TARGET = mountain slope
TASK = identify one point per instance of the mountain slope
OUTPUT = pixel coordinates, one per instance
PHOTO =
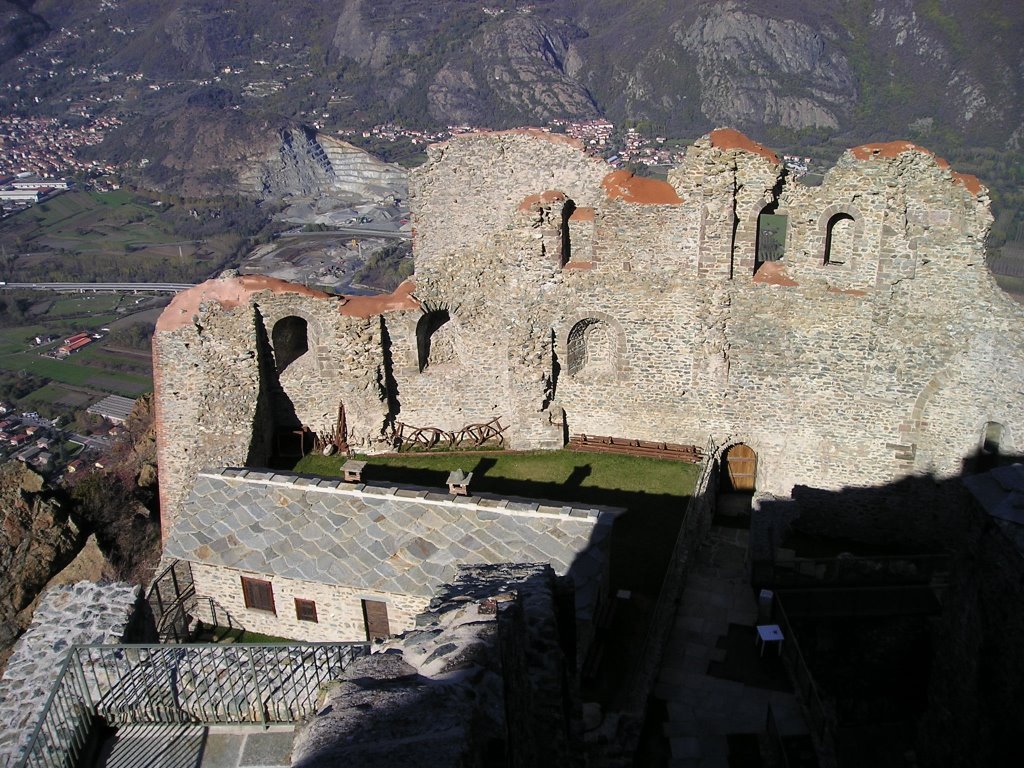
(948, 73)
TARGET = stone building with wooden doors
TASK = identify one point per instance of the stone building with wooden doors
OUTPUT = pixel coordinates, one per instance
(846, 334)
(323, 560)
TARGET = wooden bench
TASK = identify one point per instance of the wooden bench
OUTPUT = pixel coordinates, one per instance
(690, 454)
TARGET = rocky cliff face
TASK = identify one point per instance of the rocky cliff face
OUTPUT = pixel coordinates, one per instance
(894, 66)
(38, 537)
(305, 163)
(462, 64)
(793, 75)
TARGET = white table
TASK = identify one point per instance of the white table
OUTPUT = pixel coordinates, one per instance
(769, 633)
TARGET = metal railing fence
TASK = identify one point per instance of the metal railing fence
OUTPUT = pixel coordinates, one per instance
(821, 717)
(776, 743)
(203, 684)
(171, 597)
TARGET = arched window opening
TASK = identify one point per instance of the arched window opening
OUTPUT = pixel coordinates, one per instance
(576, 348)
(434, 343)
(290, 339)
(771, 236)
(839, 239)
(567, 211)
(991, 438)
(591, 346)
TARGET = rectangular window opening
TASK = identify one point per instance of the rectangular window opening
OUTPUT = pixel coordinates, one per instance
(258, 594)
(305, 610)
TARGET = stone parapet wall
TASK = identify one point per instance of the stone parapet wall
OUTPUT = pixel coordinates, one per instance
(222, 400)
(486, 678)
(83, 613)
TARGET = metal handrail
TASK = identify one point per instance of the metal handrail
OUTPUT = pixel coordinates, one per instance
(171, 612)
(821, 717)
(29, 751)
(205, 683)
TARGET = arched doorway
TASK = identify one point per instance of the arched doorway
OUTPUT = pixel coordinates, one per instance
(739, 465)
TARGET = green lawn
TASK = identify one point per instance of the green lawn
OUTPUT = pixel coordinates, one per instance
(77, 305)
(563, 475)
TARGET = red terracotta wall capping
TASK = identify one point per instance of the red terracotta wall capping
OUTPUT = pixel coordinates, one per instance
(543, 198)
(896, 148)
(971, 183)
(368, 306)
(582, 214)
(232, 292)
(623, 185)
(229, 292)
(773, 273)
(729, 138)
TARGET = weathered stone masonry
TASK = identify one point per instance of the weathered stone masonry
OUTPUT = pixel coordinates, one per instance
(877, 347)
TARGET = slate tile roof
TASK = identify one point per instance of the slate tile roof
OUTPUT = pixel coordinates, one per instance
(402, 541)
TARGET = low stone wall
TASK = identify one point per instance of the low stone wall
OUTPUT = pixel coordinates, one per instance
(83, 613)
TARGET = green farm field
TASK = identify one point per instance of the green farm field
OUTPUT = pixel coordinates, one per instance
(35, 381)
(83, 236)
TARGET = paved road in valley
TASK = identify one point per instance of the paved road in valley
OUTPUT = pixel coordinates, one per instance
(102, 287)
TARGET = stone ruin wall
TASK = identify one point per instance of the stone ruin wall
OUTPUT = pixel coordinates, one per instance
(836, 374)
(219, 395)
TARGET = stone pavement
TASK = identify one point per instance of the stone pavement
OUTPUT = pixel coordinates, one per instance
(194, 746)
(703, 710)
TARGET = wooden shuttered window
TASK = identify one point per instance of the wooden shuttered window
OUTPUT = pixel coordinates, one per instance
(305, 610)
(258, 594)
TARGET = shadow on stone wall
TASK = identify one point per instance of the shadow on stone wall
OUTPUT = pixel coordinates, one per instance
(969, 704)
(277, 428)
(487, 678)
(390, 382)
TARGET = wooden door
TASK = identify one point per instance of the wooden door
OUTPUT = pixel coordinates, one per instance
(375, 616)
(741, 467)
